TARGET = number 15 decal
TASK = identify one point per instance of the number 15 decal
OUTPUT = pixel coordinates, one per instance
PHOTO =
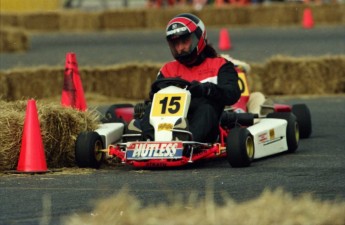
(173, 106)
(168, 104)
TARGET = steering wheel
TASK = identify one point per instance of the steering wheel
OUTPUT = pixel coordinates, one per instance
(166, 82)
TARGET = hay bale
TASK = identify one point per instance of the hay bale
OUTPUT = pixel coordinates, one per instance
(287, 75)
(319, 75)
(133, 18)
(342, 9)
(79, 21)
(13, 40)
(225, 16)
(254, 78)
(251, 15)
(41, 82)
(123, 81)
(3, 87)
(11, 122)
(59, 129)
(274, 15)
(327, 14)
(9, 20)
(44, 21)
(159, 18)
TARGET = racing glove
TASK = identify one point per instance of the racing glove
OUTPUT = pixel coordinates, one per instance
(198, 89)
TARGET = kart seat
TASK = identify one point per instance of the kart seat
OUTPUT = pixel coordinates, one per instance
(181, 130)
(132, 132)
(134, 125)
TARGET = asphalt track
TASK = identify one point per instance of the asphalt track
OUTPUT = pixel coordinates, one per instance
(317, 167)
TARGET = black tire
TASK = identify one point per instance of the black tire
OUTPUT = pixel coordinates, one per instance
(303, 115)
(87, 150)
(240, 147)
(292, 129)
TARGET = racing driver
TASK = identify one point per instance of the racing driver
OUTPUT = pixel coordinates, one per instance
(214, 80)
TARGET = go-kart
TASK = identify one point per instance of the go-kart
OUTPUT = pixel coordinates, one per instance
(241, 140)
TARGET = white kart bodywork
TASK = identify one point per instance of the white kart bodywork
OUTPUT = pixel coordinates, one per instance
(110, 132)
(269, 137)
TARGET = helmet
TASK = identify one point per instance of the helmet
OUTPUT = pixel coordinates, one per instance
(184, 26)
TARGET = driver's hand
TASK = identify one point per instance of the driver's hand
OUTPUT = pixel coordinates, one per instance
(198, 89)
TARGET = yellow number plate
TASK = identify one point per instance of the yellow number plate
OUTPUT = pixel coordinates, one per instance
(169, 104)
(242, 82)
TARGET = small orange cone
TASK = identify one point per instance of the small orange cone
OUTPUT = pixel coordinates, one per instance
(32, 157)
(224, 40)
(308, 21)
(72, 92)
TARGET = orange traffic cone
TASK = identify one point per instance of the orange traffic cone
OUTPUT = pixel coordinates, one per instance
(32, 157)
(72, 92)
(308, 21)
(224, 40)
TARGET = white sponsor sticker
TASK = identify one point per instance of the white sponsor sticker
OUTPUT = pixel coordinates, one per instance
(154, 150)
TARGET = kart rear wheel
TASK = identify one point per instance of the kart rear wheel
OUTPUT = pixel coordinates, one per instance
(302, 113)
(292, 129)
(240, 147)
(88, 150)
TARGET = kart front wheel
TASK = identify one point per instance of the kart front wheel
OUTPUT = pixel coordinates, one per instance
(240, 147)
(88, 150)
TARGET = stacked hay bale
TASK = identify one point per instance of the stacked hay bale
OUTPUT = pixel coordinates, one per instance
(133, 81)
(123, 19)
(77, 21)
(13, 40)
(251, 15)
(59, 129)
(305, 75)
(289, 76)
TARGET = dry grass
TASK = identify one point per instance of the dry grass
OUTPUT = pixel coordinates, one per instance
(271, 208)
